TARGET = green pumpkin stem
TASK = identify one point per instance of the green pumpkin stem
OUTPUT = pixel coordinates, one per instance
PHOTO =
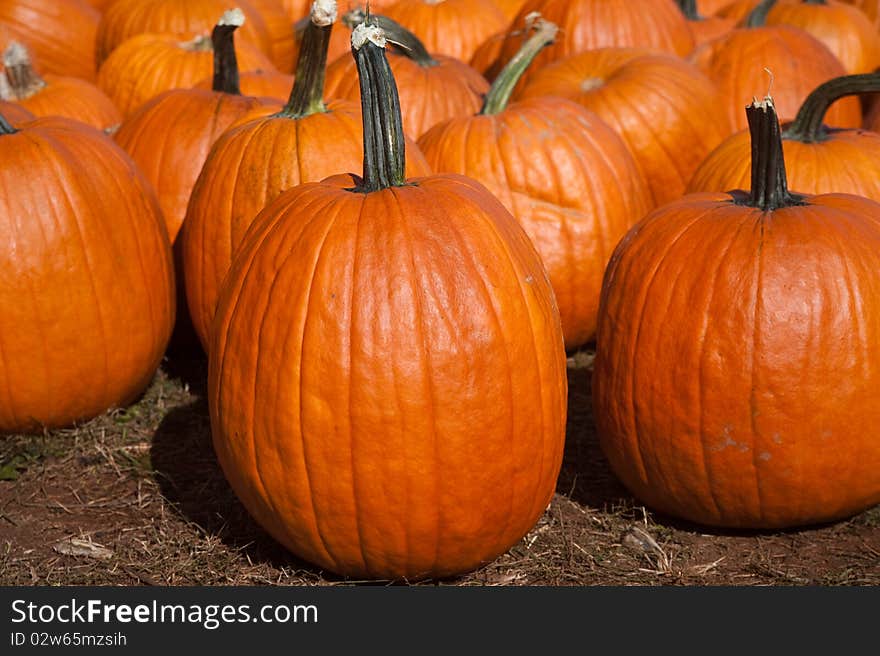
(307, 95)
(404, 41)
(689, 9)
(807, 126)
(502, 88)
(769, 184)
(18, 80)
(5, 126)
(758, 16)
(225, 62)
(384, 148)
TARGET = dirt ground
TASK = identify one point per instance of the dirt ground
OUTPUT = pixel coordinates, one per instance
(136, 497)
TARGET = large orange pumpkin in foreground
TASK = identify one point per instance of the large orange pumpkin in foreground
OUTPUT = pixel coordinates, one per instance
(86, 278)
(738, 352)
(387, 376)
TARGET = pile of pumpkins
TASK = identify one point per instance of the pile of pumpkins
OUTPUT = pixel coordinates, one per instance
(389, 225)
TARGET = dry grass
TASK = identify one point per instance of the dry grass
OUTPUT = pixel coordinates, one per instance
(136, 497)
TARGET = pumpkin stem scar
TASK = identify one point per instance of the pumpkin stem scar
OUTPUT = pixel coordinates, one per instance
(19, 80)
(807, 126)
(225, 62)
(499, 93)
(384, 149)
(307, 96)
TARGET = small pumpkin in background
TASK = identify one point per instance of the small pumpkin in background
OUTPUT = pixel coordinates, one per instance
(819, 160)
(53, 95)
(61, 35)
(566, 176)
(423, 291)
(648, 98)
(85, 267)
(844, 29)
(188, 20)
(169, 136)
(590, 24)
(454, 28)
(785, 58)
(738, 388)
(243, 171)
(146, 65)
(432, 88)
(282, 48)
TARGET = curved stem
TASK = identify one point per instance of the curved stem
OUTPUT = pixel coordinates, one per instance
(499, 93)
(807, 125)
(758, 16)
(307, 95)
(769, 184)
(225, 61)
(5, 126)
(384, 149)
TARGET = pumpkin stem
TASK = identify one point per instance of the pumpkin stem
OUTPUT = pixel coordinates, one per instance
(307, 95)
(758, 16)
(19, 79)
(5, 126)
(499, 93)
(689, 9)
(769, 184)
(807, 126)
(225, 61)
(384, 151)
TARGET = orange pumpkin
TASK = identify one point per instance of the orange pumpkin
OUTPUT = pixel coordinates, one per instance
(589, 24)
(819, 160)
(565, 175)
(86, 268)
(264, 153)
(454, 28)
(738, 352)
(396, 320)
(282, 50)
(797, 62)
(649, 99)
(187, 19)
(54, 95)
(432, 88)
(845, 30)
(169, 136)
(61, 35)
(148, 64)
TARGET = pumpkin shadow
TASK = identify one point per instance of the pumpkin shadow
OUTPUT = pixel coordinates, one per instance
(187, 362)
(191, 480)
(586, 477)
